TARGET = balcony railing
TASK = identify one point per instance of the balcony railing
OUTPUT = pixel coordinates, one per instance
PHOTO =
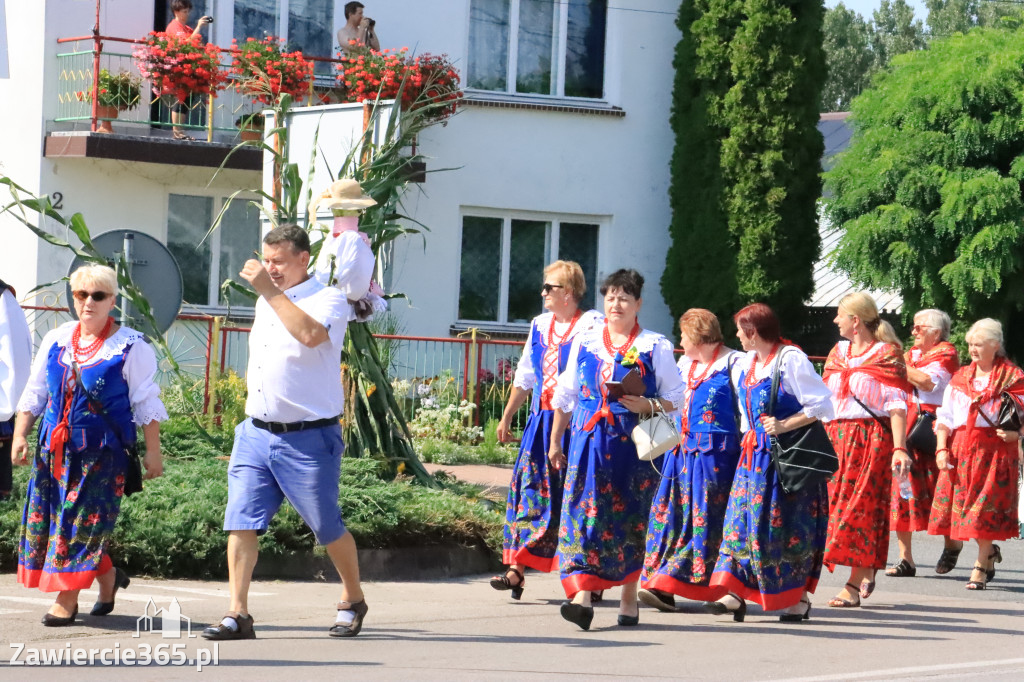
(211, 118)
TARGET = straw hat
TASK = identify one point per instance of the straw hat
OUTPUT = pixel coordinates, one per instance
(345, 195)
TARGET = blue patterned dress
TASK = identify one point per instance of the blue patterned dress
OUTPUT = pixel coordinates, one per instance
(535, 493)
(685, 527)
(608, 490)
(774, 542)
(74, 497)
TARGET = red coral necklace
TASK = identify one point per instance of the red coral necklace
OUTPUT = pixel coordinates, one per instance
(692, 383)
(83, 354)
(563, 337)
(750, 379)
(612, 350)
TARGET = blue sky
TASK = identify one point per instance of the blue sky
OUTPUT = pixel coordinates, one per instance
(866, 8)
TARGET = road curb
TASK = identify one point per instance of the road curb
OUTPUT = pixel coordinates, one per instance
(404, 564)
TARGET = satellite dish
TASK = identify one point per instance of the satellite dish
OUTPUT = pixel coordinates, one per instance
(153, 269)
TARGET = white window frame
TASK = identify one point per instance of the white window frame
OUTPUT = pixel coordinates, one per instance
(558, 61)
(555, 221)
(219, 199)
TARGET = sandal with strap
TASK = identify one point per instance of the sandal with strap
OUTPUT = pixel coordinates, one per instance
(867, 587)
(902, 570)
(947, 560)
(502, 582)
(977, 584)
(352, 629)
(996, 557)
(838, 602)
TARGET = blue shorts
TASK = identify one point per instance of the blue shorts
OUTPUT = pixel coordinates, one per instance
(302, 466)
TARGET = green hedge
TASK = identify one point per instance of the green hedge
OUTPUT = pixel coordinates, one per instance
(173, 528)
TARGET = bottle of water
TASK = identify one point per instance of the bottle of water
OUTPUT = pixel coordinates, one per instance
(903, 480)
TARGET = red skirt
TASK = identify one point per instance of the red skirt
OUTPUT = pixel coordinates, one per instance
(978, 499)
(912, 515)
(858, 494)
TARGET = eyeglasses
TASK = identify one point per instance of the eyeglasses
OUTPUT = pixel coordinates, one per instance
(97, 296)
(922, 327)
(546, 289)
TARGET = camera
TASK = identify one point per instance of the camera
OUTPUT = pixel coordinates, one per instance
(209, 19)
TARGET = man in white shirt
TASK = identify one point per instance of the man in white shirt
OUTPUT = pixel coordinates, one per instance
(15, 364)
(291, 445)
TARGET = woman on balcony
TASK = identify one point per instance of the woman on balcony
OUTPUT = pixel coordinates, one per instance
(616, 371)
(78, 477)
(179, 28)
(685, 527)
(535, 493)
(773, 541)
(976, 496)
(868, 378)
(930, 365)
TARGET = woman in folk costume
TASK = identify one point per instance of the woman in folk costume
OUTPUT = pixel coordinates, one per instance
(868, 379)
(976, 496)
(78, 470)
(685, 527)
(773, 541)
(616, 372)
(931, 363)
(535, 493)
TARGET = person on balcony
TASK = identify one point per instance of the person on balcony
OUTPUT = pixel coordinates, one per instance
(15, 360)
(179, 28)
(535, 493)
(358, 31)
(290, 446)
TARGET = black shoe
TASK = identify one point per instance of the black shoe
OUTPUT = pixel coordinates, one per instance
(102, 608)
(52, 621)
(579, 614)
(718, 608)
(502, 582)
(663, 601)
(797, 617)
(997, 557)
(220, 631)
(629, 621)
(352, 629)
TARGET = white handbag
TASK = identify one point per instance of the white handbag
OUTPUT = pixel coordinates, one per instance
(655, 435)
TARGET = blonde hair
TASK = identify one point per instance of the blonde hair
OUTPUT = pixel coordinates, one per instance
(860, 305)
(700, 326)
(987, 329)
(571, 275)
(97, 275)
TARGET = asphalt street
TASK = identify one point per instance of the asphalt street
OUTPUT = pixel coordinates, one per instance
(927, 627)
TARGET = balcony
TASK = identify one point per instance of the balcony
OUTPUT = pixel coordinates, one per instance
(81, 128)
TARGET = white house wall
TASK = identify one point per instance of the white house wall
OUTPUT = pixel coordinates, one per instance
(615, 169)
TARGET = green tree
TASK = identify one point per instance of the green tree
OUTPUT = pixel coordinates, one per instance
(847, 45)
(745, 167)
(895, 32)
(929, 193)
(946, 17)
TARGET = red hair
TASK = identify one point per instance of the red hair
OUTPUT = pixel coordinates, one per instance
(758, 317)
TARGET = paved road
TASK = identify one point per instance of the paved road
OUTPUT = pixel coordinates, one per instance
(927, 627)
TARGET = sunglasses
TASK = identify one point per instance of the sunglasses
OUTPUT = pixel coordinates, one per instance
(546, 289)
(97, 296)
(922, 327)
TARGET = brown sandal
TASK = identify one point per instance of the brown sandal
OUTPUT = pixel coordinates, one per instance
(838, 602)
(352, 629)
(977, 584)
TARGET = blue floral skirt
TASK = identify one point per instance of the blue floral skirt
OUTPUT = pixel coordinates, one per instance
(534, 499)
(684, 532)
(68, 521)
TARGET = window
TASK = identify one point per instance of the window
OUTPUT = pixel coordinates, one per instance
(503, 260)
(205, 264)
(308, 25)
(538, 47)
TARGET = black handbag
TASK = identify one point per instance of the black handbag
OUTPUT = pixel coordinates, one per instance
(133, 470)
(921, 437)
(1011, 413)
(803, 457)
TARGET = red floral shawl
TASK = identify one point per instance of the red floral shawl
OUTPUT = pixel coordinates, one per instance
(1005, 376)
(943, 352)
(885, 366)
